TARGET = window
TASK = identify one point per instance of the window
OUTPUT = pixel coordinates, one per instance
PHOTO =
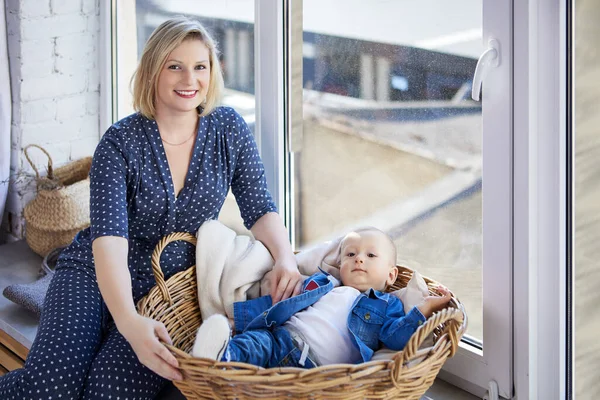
(390, 137)
(232, 26)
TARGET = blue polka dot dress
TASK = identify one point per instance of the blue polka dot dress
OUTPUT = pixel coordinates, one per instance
(78, 353)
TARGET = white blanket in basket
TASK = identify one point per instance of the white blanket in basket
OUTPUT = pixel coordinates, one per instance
(229, 268)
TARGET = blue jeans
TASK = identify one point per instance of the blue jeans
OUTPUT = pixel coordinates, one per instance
(266, 348)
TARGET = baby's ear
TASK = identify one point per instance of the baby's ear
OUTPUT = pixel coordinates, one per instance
(392, 276)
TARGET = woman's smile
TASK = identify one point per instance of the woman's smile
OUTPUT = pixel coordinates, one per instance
(186, 94)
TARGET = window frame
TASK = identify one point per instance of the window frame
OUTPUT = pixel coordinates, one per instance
(494, 363)
(543, 364)
(270, 95)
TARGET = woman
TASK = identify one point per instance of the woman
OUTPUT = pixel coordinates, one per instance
(166, 168)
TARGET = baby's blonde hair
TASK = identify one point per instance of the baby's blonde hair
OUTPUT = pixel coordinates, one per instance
(390, 241)
(161, 43)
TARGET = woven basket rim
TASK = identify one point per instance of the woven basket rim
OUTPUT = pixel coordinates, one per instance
(64, 190)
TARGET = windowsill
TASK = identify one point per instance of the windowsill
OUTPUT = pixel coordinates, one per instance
(441, 390)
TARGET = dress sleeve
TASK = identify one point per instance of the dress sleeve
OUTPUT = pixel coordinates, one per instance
(249, 185)
(108, 189)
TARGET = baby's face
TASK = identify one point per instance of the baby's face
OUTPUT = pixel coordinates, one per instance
(366, 261)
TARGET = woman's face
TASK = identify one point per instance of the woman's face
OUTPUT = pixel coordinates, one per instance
(184, 79)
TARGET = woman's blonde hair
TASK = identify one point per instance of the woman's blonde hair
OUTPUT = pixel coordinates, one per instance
(161, 43)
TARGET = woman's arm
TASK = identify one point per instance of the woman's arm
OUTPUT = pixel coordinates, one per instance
(287, 281)
(110, 232)
(114, 281)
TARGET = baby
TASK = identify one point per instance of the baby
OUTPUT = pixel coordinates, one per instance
(327, 323)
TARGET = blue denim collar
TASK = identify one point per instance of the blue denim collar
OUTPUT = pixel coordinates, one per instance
(376, 294)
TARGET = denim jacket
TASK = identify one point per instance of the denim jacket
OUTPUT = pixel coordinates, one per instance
(375, 318)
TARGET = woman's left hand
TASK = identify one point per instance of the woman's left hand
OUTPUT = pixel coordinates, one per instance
(286, 280)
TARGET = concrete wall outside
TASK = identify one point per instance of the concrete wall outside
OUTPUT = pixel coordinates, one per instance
(343, 178)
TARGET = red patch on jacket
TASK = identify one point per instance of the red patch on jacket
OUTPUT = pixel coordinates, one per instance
(312, 285)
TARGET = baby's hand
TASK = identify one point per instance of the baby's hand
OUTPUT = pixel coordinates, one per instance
(431, 304)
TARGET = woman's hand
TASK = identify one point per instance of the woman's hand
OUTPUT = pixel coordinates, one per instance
(286, 280)
(431, 304)
(143, 335)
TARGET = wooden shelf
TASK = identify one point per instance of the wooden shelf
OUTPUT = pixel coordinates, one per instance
(12, 353)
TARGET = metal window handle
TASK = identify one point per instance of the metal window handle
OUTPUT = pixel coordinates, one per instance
(489, 58)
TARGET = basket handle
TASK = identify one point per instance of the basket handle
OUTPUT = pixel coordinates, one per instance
(37, 174)
(158, 274)
(455, 314)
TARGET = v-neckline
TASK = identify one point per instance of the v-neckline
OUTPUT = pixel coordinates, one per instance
(166, 172)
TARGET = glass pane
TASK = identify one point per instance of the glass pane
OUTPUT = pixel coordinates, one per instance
(390, 135)
(230, 23)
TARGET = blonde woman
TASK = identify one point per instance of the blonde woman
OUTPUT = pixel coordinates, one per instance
(164, 169)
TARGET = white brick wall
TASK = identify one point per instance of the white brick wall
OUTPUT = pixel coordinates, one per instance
(54, 60)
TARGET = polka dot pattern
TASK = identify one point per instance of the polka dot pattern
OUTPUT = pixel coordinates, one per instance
(78, 352)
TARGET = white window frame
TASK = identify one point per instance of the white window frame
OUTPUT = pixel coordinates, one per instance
(270, 94)
(471, 369)
(540, 200)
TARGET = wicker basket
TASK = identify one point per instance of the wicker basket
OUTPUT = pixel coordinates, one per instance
(61, 207)
(175, 304)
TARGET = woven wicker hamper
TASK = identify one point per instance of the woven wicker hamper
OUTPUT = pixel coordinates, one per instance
(61, 207)
(174, 302)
